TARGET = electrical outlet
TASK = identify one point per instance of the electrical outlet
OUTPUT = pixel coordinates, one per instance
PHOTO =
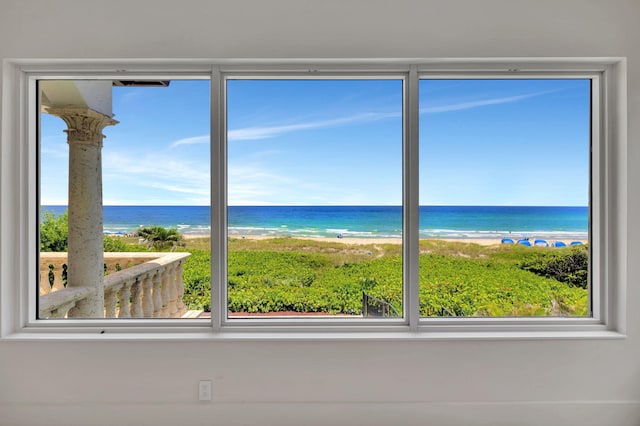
(204, 390)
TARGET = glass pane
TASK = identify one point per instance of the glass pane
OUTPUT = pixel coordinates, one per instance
(124, 221)
(504, 197)
(314, 196)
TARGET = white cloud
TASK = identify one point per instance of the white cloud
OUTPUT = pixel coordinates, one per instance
(203, 139)
(479, 103)
(254, 133)
(178, 188)
(252, 185)
(51, 149)
(256, 185)
(169, 179)
(267, 132)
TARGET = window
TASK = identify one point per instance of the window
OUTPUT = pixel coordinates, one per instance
(505, 161)
(314, 194)
(360, 197)
(117, 215)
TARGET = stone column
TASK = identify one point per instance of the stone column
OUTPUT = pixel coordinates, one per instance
(85, 254)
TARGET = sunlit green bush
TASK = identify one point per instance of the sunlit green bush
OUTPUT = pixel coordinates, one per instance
(569, 265)
(54, 232)
(489, 282)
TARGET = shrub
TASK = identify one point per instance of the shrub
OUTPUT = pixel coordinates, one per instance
(197, 280)
(458, 286)
(569, 266)
(114, 244)
(54, 232)
(494, 284)
(54, 235)
(160, 238)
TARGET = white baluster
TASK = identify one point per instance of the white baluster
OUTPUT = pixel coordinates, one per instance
(136, 299)
(62, 310)
(147, 296)
(110, 303)
(173, 291)
(157, 296)
(164, 292)
(45, 288)
(123, 298)
(180, 289)
(154, 291)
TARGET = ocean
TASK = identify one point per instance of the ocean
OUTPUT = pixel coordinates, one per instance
(562, 223)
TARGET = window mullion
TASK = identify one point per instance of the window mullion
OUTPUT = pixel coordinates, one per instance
(596, 243)
(218, 201)
(411, 196)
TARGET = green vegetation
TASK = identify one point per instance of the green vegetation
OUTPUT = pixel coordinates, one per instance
(288, 274)
(115, 244)
(197, 280)
(160, 238)
(456, 279)
(54, 235)
(568, 267)
(455, 286)
(54, 231)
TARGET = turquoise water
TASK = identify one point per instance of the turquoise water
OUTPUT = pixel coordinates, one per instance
(358, 221)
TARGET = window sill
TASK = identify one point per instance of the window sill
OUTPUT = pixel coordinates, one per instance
(200, 333)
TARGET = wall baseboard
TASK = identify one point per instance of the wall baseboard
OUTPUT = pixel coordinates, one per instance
(548, 413)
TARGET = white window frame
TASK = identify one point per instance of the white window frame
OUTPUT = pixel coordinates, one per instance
(18, 202)
(219, 209)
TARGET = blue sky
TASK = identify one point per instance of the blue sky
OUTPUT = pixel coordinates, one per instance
(310, 142)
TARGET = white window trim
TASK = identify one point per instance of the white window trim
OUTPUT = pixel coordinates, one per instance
(219, 209)
(18, 252)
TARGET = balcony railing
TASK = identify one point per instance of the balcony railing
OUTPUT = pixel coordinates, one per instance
(137, 285)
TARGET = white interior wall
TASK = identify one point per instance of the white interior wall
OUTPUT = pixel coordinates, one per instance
(341, 382)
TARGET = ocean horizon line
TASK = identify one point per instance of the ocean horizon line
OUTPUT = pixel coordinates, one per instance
(366, 221)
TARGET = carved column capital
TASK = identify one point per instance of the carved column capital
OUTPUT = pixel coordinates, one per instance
(84, 125)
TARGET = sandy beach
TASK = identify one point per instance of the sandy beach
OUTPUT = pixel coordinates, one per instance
(364, 241)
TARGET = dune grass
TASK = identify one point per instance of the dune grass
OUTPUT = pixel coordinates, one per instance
(456, 278)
